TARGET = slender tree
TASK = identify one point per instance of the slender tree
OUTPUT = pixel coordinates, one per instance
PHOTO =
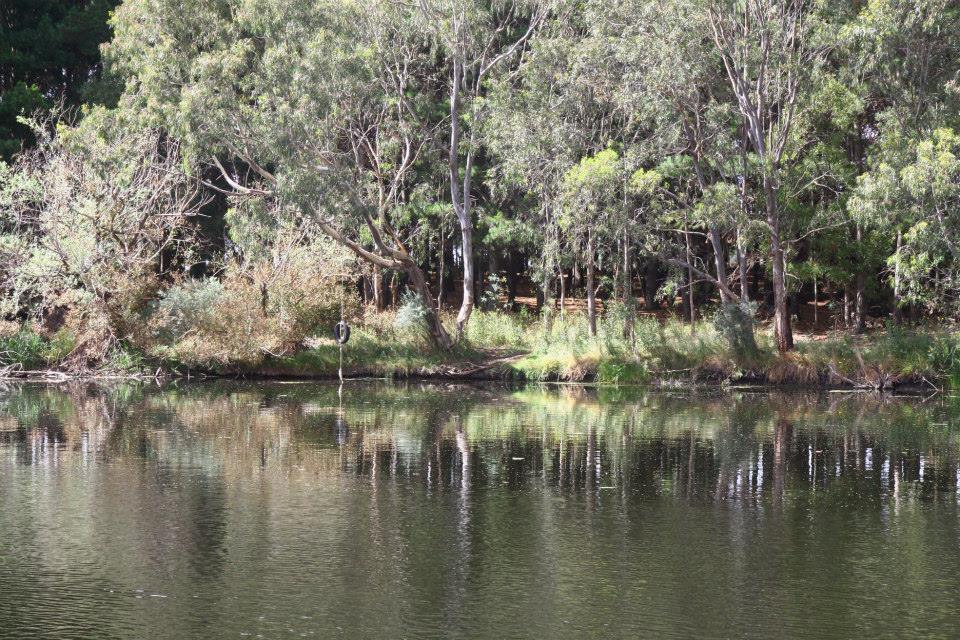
(768, 54)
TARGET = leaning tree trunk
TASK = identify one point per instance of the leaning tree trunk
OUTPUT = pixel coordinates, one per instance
(781, 315)
(591, 291)
(435, 329)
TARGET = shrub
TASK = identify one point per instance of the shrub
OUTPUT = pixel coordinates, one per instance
(411, 315)
(185, 306)
(735, 323)
(257, 310)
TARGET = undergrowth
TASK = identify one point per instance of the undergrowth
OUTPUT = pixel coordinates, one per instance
(523, 346)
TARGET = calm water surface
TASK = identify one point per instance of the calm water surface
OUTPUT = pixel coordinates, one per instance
(419, 511)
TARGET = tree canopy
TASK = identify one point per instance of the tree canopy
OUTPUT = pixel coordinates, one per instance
(774, 156)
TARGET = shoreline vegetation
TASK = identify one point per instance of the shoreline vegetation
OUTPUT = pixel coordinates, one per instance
(518, 347)
(607, 191)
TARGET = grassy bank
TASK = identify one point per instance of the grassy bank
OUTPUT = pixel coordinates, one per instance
(505, 346)
(511, 346)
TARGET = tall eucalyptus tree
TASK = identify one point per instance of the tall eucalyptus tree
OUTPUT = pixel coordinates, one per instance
(769, 55)
(477, 38)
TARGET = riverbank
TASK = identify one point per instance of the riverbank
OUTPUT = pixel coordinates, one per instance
(519, 347)
(659, 352)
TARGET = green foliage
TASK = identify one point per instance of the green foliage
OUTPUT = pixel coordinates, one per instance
(28, 350)
(24, 349)
(735, 323)
(49, 51)
(186, 306)
(924, 193)
(590, 185)
(411, 315)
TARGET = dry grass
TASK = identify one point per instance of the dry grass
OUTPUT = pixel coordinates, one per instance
(792, 369)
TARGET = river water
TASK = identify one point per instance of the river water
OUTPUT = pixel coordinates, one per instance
(433, 511)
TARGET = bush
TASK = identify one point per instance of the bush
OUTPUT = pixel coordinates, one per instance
(256, 311)
(185, 306)
(411, 315)
(735, 323)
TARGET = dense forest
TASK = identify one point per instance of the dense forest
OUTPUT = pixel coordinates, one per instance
(213, 183)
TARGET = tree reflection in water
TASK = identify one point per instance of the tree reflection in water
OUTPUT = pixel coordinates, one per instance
(480, 509)
(715, 447)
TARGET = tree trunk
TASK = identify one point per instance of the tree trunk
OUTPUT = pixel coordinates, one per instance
(742, 257)
(545, 287)
(720, 263)
(440, 269)
(591, 290)
(630, 320)
(563, 293)
(816, 304)
(466, 306)
(859, 319)
(650, 277)
(859, 311)
(742, 260)
(690, 287)
(513, 278)
(847, 316)
(781, 315)
(627, 268)
(460, 195)
(378, 287)
(435, 329)
(617, 264)
(897, 311)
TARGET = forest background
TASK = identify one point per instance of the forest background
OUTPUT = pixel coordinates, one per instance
(616, 190)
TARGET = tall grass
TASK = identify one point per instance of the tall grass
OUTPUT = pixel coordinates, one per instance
(26, 350)
(564, 350)
(623, 350)
(641, 350)
(896, 354)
